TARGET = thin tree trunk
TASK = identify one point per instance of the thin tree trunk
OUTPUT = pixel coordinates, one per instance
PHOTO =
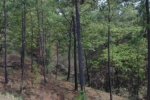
(117, 81)
(87, 68)
(148, 37)
(39, 30)
(46, 53)
(80, 48)
(69, 56)
(43, 43)
(23, 41)
(57, 58)
(31, 43)
(5, 41)
(137, 88)
(109, 30)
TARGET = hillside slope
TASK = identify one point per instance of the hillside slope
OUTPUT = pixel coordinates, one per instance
(35, 89)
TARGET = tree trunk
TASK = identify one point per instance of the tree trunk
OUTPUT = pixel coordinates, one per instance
(80, 48)
(69, 56)
(87, 69)
(43, 43)
(46, 53)
(109, 30)
(117, 81)
(75, 53)
(57, 58)
(39, 31)
(5, 41)
(23, 41)
(31, 42)
(148, 37)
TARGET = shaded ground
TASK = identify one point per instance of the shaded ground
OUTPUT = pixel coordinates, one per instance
(53, 90)
(36, 89)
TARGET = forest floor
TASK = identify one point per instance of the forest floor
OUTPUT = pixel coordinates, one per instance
(36, 89)
(52, 90)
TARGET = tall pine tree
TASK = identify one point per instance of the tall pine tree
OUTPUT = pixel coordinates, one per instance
(23, 41)
(5, 40)
(109, 61)
(80, 48)
(148, 37)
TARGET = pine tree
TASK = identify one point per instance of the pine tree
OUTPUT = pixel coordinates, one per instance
(80, 48)
(69, 55)
(109, 61)
(148, 37)
(5, 40)
(75, 53)
(31, 42)
(23, 41)
(43, 42)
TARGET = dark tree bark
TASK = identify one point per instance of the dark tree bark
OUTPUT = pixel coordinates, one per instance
(23, 41)
(75, 53)
(80, 48)
(117, 81)
(74, 47)
(109, 61)
(5, 41)
(87, 68)
(148, 37)
(69, 56)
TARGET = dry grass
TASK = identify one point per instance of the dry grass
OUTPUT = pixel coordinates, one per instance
(8, 96)
(53, 90)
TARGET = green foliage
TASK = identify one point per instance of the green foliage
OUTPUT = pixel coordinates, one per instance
(82, 96)
(128, 45)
